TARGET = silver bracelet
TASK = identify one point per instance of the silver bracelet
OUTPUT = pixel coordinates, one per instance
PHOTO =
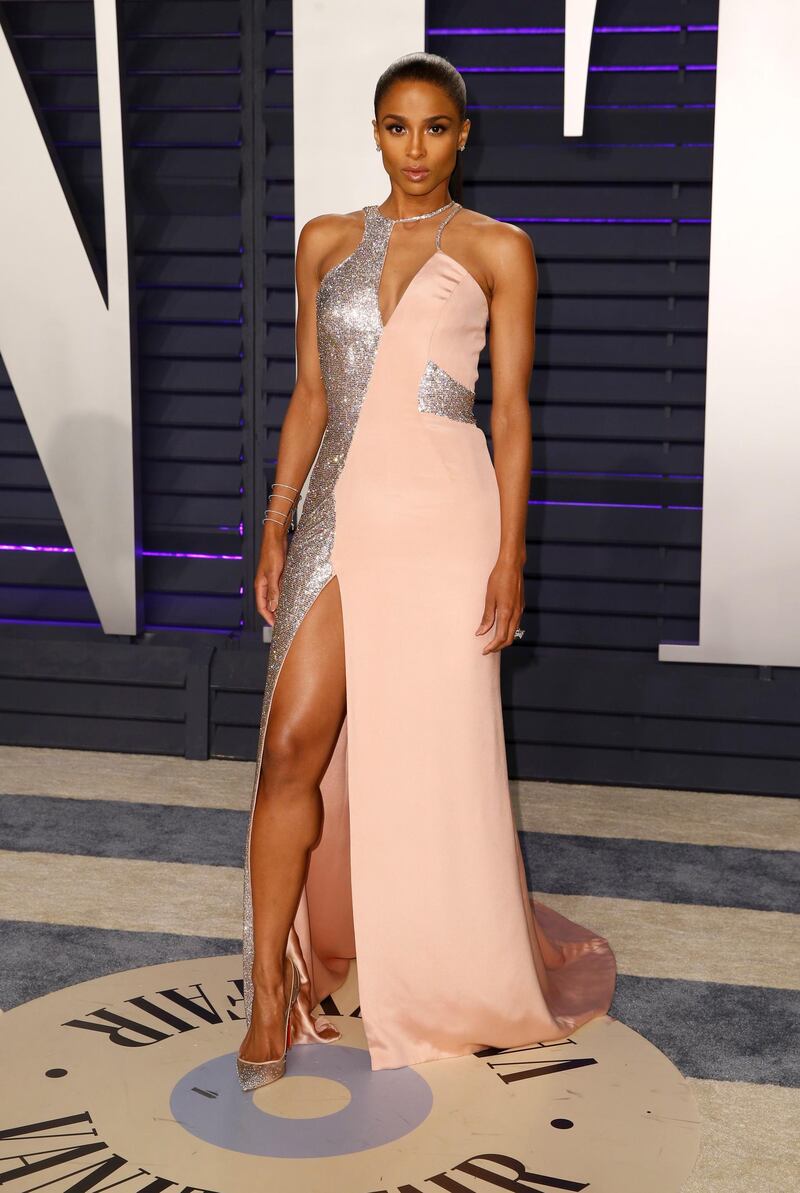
(281, 518)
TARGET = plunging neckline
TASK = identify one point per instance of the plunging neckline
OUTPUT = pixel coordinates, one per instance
(426, 262)
(388, 220)
(436, 252)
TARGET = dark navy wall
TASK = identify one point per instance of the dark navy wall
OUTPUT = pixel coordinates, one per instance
(620, 221)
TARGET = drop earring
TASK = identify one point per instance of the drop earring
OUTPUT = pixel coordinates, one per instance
(378, 148)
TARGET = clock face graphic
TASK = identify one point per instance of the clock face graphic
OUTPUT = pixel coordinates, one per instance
(130, 1081)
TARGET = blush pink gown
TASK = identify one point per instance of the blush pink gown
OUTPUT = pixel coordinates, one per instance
(418, 872)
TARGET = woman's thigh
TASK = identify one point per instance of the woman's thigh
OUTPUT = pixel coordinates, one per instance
(309, 699)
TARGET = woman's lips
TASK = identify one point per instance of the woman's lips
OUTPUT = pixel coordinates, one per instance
(416, 174)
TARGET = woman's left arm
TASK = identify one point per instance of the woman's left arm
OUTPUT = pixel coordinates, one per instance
(512, 336)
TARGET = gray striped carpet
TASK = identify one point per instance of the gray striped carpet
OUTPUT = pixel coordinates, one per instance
(108, 862)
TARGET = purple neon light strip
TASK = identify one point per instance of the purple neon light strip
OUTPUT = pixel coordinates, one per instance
(616, 505)
(91, 625)
(609, 505)
(617, 475)
(532, 70)
(665, 68)
(152, 554)
(558, 30)
(187, 555)
(589, 108)
(545, 219)
(543, 30)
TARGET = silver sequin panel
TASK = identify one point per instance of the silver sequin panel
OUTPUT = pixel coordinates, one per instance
(348, 331)
(439, 393)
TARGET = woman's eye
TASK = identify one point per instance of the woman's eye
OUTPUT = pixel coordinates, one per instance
(438, 128)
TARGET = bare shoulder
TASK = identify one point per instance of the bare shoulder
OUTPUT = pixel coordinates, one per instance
(324, 236)
(332, 224)
(504, 250)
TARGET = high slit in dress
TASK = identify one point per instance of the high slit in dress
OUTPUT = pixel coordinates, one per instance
(418, 872)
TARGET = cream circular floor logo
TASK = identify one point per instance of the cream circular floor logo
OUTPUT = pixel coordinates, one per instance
(130, 1081)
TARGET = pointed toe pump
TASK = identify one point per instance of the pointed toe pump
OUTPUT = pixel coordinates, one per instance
(254, 1073)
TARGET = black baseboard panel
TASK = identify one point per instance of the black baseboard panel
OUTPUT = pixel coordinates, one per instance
(80, 690)
(604, 717)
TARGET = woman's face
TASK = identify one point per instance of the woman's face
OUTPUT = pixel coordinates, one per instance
(419, 132)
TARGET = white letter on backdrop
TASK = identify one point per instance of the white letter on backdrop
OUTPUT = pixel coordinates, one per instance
(67, 354)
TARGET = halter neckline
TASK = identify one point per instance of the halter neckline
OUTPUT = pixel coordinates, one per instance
(448, 208)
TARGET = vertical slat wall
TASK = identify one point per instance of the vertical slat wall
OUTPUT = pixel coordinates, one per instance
(238, 670)
(277, 311)
(190, 189)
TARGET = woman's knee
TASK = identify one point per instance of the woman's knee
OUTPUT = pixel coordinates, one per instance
(288, 762)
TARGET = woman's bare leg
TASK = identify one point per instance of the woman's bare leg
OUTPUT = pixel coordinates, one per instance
(306, 714)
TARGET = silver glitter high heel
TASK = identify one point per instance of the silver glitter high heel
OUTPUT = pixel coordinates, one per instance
(254, 1073)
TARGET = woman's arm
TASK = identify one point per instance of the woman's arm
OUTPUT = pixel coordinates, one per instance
(514, 278)
(305, 420)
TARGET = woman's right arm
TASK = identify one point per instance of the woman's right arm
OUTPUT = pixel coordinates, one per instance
(305, 420)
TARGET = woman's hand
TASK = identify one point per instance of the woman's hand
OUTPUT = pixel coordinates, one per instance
(505, 602)
(270, 570)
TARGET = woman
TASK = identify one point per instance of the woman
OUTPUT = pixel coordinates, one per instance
(381, 825)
